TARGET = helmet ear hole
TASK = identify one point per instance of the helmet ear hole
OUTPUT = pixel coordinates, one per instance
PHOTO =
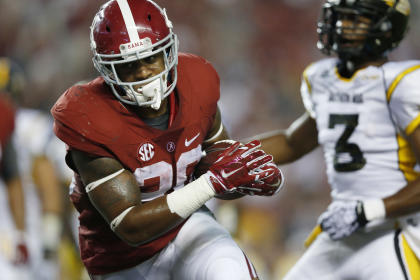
(149, 17)
(108, 28)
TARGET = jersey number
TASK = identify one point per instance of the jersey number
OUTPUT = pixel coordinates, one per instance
(348, 156)
(162, 173)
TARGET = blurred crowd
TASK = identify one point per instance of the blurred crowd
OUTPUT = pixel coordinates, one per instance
(258, 47)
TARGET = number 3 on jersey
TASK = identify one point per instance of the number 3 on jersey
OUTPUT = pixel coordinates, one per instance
(348, 156)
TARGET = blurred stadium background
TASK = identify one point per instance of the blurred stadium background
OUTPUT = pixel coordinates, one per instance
(259, 48)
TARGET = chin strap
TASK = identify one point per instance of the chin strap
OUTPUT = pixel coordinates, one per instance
(172, 109)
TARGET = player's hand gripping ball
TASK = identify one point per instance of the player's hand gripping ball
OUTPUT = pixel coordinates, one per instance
(259, 175)
(211, 154)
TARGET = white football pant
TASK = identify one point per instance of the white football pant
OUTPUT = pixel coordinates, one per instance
(202, 250)
(377, 255)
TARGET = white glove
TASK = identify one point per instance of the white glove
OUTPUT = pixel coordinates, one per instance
(52, 228)
(342, 218)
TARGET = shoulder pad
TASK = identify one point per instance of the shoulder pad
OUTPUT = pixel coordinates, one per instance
(90, 110)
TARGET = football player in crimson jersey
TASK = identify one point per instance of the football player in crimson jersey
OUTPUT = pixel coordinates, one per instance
(365, 113)
(9, 174)
(134, 136)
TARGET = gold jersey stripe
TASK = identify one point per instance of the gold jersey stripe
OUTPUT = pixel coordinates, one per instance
(305, 77)
(398, 79)
(406, 159)
(413, 125)
(411, 260)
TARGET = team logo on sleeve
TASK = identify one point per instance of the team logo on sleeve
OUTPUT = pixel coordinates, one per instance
(146, 152)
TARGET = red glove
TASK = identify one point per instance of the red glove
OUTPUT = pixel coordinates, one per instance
(237, 165)
(22, 252)
(269, 184)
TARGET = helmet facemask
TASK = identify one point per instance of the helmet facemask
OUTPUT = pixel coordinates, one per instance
(151, 91)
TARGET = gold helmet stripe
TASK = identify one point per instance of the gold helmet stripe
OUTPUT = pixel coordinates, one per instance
(403, 6)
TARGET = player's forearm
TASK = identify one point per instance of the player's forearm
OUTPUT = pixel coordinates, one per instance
(147, 222)
(150, 220)
(300, 138)
(404, 202)
(277, 144)
(16, 202)
(48, 185)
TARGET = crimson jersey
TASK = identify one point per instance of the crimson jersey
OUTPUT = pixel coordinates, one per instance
(7, 122)
(89, 118)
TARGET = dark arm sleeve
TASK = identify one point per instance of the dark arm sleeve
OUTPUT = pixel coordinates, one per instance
(9, 167)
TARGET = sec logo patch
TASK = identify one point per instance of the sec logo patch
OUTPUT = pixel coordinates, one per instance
(146, 152)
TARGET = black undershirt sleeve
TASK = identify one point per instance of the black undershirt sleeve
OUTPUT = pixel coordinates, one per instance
(9, 168)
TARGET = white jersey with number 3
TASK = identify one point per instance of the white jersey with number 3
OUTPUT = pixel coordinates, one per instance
(363, 123)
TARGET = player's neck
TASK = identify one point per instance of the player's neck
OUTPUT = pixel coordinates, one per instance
(376, 62)
(348, 68)
(147, 112)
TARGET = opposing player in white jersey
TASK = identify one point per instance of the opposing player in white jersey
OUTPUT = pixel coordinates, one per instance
(42, 193)
(365, 113)
(13, 249)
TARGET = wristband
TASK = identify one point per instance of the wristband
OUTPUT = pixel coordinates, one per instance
(21, 236)
(374, 209)
(190, 198)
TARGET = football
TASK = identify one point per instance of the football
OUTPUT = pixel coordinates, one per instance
(211, 155)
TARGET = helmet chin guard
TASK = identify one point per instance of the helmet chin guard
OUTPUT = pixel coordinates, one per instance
(125, 31)
(152, 92)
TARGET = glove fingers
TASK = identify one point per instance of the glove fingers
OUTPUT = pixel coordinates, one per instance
(255, 154)
(264, 174)
(265, 187)
(268, 179)
(256, 189)
(259, 162)
(250, 147)
(229, 151)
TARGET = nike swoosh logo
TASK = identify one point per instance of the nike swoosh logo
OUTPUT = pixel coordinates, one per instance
(225, 175)
(189, 142)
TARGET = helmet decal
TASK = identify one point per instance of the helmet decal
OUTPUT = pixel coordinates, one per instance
(140, 45)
